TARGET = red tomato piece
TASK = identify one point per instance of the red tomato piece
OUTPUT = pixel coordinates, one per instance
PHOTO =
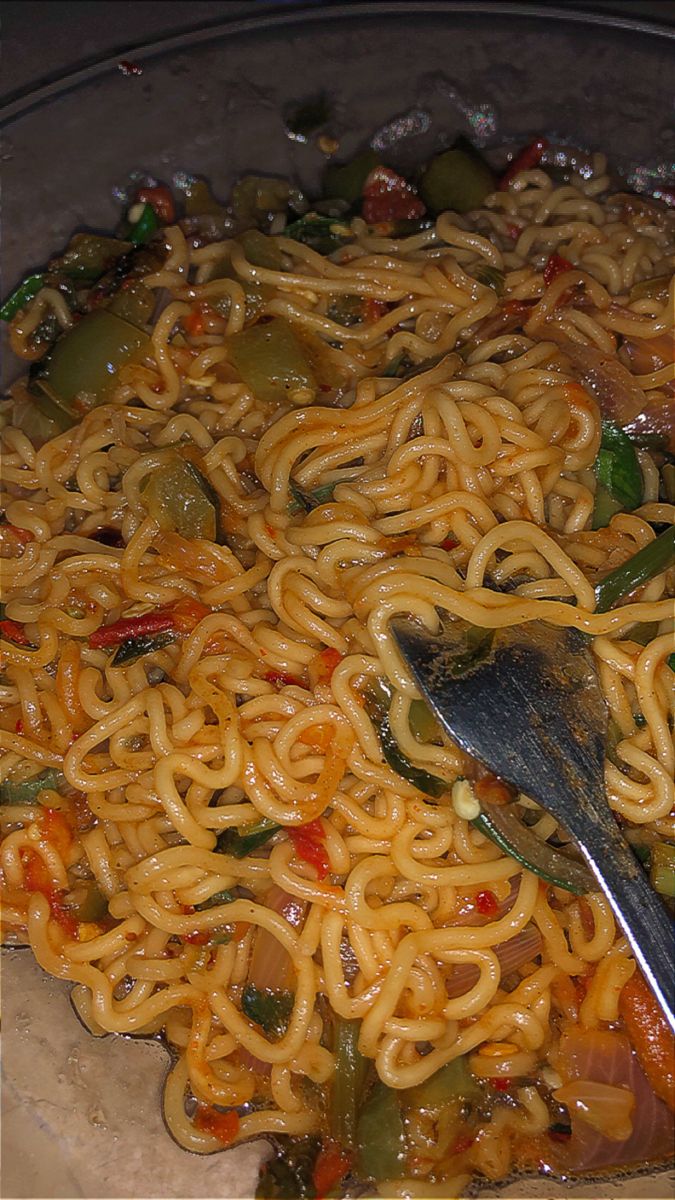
(389, 197)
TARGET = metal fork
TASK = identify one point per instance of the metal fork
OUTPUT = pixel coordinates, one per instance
(532, 710)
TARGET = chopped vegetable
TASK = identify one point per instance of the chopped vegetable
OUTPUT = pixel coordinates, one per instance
(146, 225)
(618, 473)
(89, 256)
(310, 500)
(651, 560)
(423, 724)
(240, 842)
(181, 499)
(81, 371)
(134, 648)
(180, 617)
(527, 160)
(323, 234)
(268, 1008)
(456, 180)
(272, 362)
(256, 198)
(290, 1174)
(348, 1082)
(282, 679)
(377, 710)
(330, 1167)
(27, 791)
(450, 1083)
(346, 310)
(308, 845)
(161, 200)
(224, 897)
(19, 298)
(93, 906)
(662, 871)
(381, 1143)
(502, 826)
(345, 181)
(12, 631)
(650, 1035)
(260, 250)
(389, 197)
(223, 1125)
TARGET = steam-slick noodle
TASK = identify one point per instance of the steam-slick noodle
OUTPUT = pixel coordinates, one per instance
(249, 438)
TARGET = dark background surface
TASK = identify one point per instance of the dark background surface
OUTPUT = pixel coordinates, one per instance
(44, 39)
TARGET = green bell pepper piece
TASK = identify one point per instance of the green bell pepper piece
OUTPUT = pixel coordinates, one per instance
(81, 371)
(456, 180)
(345, 181)
(381, 1142)
(663, 869)
(181, 499)
(271, 361)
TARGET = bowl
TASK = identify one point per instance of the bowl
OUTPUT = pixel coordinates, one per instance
(82, 1116)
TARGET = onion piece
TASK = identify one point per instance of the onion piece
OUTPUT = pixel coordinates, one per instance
(606, 1057)
(619, 396)
(606, 1108)
(512, 954)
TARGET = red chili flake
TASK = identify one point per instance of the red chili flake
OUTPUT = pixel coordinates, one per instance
(13, 632)
(487, 904)
(449, 543)
(222, 1125)
(129, 68)
(308, 845)
(556, 265)
(389, 197)
(282, 679)
(530, 156)
(501, 1085)
(19, 727)
(513, 231)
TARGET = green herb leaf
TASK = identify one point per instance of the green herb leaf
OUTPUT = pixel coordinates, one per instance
(323, 234)
(268, 1008)
(27, 791)
(215, 900)
(134, 648)
(651, 560)
(617, 470)
(240, 842)
(348, 1083)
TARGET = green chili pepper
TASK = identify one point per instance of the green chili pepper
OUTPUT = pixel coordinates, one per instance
(381, 1142)
(457, 180)
(27, 791)
(377, 710)
(345, 181)
(662, 872)
(323, 234)
(651, 560)
(618, 473)
(449, 1084)
(146, 225)
(502, 826)
(240, 842)
(181, 499)
(136, 647)
(20, 296)
(89, 256)
(348, 1082)
(272, 361)
(269, 1008)
(81, 371)
(261, 250)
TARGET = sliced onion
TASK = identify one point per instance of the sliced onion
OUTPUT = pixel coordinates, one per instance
(512, 954)
(606, 1108)
(649, 354)
(656, 420)
(619, 396)
(606, 1057)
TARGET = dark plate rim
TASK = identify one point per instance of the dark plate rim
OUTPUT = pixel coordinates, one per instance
(272, 19)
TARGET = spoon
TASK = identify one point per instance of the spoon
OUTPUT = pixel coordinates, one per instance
(528, 704)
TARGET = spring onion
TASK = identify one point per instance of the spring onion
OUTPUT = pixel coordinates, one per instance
(348, 1082)
(146, 225)
(618, 474)
(27, 791)
(134, 648)
(381, 1141)
(501, 824)
(240, 842)
(20, 296)
(651, 560)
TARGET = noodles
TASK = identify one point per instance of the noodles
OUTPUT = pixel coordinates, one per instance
(198, 586)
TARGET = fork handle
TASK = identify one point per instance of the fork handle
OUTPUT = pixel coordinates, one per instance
(638, 910)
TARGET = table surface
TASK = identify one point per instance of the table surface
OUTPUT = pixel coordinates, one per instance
(71, 35)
